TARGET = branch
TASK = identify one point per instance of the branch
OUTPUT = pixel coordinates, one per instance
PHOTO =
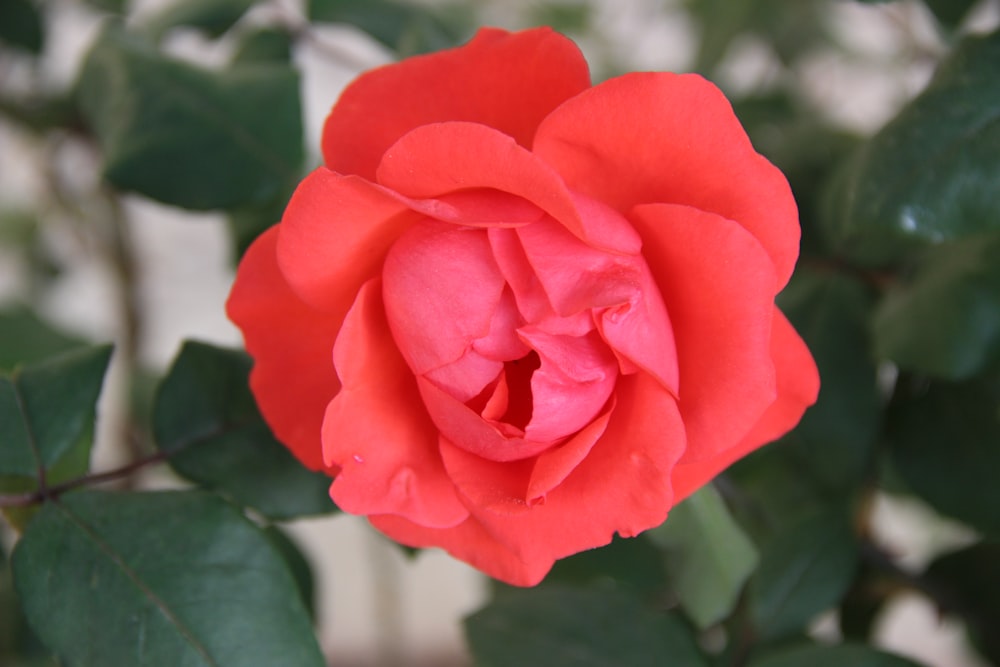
(45, 493)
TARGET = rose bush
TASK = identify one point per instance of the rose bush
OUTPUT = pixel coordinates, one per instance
(513, 314)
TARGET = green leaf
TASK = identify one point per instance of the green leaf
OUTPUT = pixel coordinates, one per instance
(263, 45)
(213, 17)
(205, 415)
(25, 339)
(835, 440)
(559, 627)
(171, 578)
(187, 136)
(971, 580)
(803, 571)
(47, 408)
(408, 30)
(945, 444)
(631, 562)
(46, 423)
(21, 25)
(946, 321)
(931, 174)
(950, 12)
(845, 655)
(298, 566)
(709, 557)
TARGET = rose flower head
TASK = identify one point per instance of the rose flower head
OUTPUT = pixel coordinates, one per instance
(513, 313)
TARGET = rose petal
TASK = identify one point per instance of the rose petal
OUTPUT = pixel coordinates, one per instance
(300, 347)
(572, 385)
(531, 300)
(555, 465)
(798, 386)
(334, 236)
(574, 275)
(621, 486)
(641, 334)
(658, 137)
(502, 342)
(441, 160)
(466, 429)
(720, 298)
(470, 542)
(441, 288)
(506, 81)
(466, 377)
(376, 431)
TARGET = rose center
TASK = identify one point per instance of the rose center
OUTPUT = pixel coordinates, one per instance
(521, 401)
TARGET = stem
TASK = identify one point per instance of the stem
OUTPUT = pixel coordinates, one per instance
(43, 492)
(121, 257)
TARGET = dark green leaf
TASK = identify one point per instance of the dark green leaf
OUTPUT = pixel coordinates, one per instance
(946, 322)
(835, 439)
(632, 562)
(946, 446)
(25, 339)
(263, 45)
(563, 627)
(246, 223)
(970, 581)
(211, 16)
(21, 25)
(172, 578)
(297, 564)
(46, 423)
(204, 412)
(709, 556)
(187, 136)
(47, 408)
(406, 29)
(950, 12)
(932, 173)
(845, 655)
(803, 571)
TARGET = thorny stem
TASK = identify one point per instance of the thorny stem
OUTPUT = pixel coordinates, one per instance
(48, 492)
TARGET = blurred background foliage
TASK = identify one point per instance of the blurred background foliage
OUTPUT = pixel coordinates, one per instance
(779, 563)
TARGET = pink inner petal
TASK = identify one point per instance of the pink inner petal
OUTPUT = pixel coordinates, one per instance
(574, 275)
(530, 297)
(641, 332)
(468, 430)
(502, 342)
(466, 377)
(572, 385)
(441, 288)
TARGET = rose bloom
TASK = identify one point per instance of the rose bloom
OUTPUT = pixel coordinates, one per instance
(513, 313)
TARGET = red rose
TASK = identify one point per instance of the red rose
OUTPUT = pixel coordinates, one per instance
(514, 314)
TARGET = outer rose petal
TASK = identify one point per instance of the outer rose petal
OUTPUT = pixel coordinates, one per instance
(287, 339)
(377, 432)
(506, 81)
(798, 386)
(609, 144)
(443, 158)
(621, 486)
(335, 234)
(720, 297)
